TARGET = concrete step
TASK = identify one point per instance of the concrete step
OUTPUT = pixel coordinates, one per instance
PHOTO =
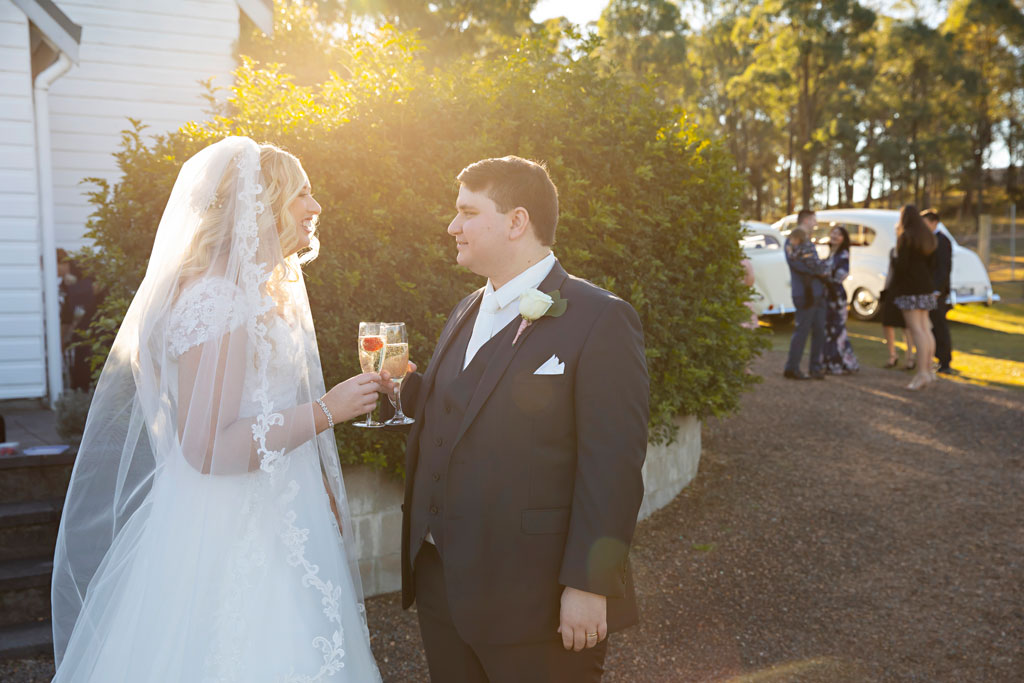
(28, 639)
(35, 477)
(29, 529)
(25, 590)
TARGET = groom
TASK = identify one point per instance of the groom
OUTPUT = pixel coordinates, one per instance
(523, 468)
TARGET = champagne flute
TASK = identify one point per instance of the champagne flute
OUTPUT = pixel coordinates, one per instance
(371, 359)
(396, 362)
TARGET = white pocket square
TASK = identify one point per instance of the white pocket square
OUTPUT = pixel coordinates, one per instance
(552, 366)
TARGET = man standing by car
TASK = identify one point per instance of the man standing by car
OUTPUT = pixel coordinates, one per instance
(807, 272)
(943, 267)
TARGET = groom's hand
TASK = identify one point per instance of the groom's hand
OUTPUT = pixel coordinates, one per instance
(386, 386)
(582, 613)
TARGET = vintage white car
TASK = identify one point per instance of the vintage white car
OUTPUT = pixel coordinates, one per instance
(762, 244)
(872, 236)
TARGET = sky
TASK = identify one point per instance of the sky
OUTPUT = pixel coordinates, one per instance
(577, 11)
(583, 11)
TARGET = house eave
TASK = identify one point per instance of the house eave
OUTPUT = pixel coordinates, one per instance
(64, 34)
(261, 12)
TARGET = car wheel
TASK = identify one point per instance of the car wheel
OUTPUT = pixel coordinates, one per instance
(865, 305)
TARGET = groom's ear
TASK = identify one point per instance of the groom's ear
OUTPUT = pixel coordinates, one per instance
(520, 225)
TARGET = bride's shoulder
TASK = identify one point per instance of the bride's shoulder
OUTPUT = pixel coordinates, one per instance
(207, 287)
(205, 308)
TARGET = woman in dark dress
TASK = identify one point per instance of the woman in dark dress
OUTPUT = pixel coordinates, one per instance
(839, 356)
(914, 288)
(892, 318)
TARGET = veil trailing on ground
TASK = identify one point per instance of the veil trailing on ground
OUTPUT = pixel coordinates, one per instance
(200, 421)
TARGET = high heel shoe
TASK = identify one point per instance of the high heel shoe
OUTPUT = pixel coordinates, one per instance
(920, 380)
(893, 362)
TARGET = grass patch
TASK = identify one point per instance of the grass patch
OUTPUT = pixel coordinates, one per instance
(988, 342)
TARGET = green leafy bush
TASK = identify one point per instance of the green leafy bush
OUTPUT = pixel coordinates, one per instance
(648, 205)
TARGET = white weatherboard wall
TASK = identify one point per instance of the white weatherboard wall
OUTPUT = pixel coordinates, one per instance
(138, 58)
(375, 500)
(22, 351)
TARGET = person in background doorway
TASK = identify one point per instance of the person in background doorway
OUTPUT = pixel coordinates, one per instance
(943, 267)
(78, 306)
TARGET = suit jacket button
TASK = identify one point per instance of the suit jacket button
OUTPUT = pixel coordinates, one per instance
(437, 477)
(447, 410)
(433, 509)
(438, 442)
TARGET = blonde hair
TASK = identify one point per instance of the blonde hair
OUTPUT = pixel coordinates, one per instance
(283, 179)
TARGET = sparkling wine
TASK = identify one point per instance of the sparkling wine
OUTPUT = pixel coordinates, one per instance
(396, 359)
(371, 352)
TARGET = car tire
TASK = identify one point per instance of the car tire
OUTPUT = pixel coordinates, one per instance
(864, 305)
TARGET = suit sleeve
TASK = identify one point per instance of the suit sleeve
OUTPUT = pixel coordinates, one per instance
(944, 264)
(611, 396)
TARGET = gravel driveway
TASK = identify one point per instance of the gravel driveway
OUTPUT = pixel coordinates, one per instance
(845, 530)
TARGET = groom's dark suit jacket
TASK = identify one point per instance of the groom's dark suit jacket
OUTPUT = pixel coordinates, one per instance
(530, 483)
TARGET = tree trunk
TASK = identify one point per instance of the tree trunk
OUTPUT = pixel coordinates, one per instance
(871, 186)
(789, 171)
(806, 160)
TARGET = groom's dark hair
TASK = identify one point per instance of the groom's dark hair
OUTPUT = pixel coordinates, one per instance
(513, 181)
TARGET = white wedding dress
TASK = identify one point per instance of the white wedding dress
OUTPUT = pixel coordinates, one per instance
(209, 576)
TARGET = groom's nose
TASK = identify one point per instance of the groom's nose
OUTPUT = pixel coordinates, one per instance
(455, 227)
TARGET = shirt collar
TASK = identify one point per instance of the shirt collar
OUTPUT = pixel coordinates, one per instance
(517, 286)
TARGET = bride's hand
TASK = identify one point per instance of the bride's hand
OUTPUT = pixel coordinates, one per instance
(354, 397)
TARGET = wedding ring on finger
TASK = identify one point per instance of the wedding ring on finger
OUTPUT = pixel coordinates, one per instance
(591, 635)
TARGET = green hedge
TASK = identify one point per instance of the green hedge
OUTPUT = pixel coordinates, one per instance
(648, 205)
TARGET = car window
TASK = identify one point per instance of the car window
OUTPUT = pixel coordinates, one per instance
(861, 235)
(759, 241)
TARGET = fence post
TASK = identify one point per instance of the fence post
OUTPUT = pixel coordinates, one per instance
(1013, 242)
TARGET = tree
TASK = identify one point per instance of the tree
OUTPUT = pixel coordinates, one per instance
(984, 33)
(648, 205)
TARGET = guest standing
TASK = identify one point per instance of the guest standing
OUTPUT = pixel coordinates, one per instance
(807, 279)
(839, 356)
(914, 287)
(943, 267)
(892, 318)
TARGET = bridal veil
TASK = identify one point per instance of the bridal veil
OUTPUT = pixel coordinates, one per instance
(200, 448)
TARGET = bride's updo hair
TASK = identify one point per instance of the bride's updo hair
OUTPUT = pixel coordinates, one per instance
(283, 180)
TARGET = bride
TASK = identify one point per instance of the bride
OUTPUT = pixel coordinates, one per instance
(206, 535)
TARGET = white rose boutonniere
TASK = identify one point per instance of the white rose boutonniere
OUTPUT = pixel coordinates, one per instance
(535, 304)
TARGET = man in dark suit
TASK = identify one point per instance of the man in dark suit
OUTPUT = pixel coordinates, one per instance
(523, 469)
(807, 272)
(943, 267)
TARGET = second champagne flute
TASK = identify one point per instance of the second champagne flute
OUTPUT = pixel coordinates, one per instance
(396, 362)
(371, 359)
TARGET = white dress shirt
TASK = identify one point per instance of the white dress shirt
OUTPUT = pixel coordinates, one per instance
(499, 308)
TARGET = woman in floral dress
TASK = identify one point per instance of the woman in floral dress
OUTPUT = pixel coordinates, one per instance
(839, 357)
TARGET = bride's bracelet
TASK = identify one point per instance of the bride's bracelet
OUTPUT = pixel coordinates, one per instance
(323, 407)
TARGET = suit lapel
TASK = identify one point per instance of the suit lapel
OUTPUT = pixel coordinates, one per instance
(449, 333)
(506, 352)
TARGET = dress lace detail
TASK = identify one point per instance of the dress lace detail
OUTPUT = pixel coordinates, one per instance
(205, 310)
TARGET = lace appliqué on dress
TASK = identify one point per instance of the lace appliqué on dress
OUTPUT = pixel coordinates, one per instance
(205, 310)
